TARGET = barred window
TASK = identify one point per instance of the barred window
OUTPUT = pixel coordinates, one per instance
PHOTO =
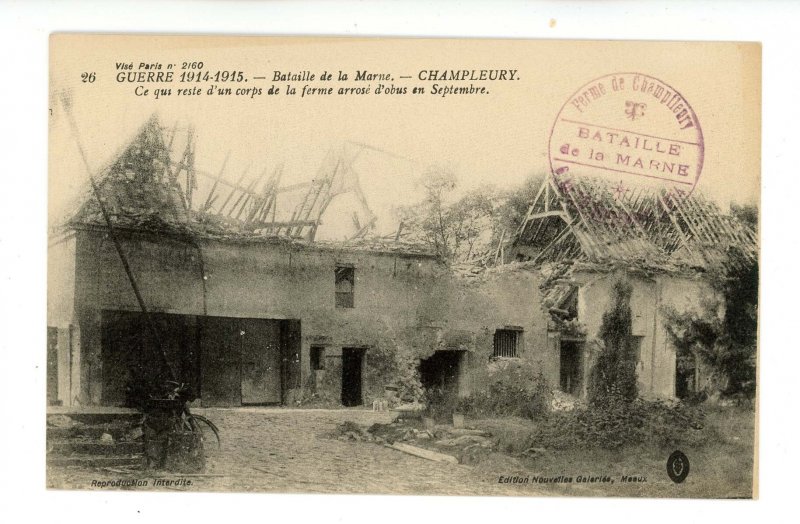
(506, 342)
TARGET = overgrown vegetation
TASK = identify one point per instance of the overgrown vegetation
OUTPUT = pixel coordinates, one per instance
(616, 423)
(722, 336)
(615, 417)
(513, 389)
(613, 376)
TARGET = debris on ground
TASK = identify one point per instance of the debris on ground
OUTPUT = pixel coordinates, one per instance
(473, 454)
(563, 402)
(424, 453)
(466, 440)
(467, 431)
(462, 445)
(133, 434)
(351, 431)
(396, 432)
(62, 421)
(413, 410)
(534, 452)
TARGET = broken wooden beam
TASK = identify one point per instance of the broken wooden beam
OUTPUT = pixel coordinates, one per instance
(217, 179)
(289, 224)
(236, 186)
(423, 453)
(471, 432)
(293, 187)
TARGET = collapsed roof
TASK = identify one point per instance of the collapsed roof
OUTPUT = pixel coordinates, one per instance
(596, 221)
(150, 187)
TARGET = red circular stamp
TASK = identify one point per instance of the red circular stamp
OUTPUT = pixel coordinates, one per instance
(632, 129)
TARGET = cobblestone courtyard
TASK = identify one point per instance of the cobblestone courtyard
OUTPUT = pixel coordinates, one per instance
(285, 451)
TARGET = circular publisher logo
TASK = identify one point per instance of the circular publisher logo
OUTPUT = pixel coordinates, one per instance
(678, 467)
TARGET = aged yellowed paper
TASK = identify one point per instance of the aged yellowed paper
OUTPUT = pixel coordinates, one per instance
(407, 266)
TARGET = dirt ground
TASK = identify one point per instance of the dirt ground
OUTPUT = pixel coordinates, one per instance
(291, 451)
(296, 451)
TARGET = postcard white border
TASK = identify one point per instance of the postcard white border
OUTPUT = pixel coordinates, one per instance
(24, 29)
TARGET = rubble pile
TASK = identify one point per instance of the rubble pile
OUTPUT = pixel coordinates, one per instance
(465, 443)
(477, 270)
(378, 244)
(564, 402)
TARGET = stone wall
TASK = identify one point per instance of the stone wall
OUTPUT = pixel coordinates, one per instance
(650, 294)
(404, 304)
(61, 315)
(406, 307)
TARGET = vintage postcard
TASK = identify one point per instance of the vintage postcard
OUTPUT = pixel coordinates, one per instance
(403, 266)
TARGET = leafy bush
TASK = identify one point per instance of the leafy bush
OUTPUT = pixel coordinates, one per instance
(723, 335)
(516, 388)
(616, 422)
(705, 337)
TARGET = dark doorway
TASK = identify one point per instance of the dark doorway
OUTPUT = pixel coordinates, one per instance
(685, 377)
(261, 361)
(221, 350)
(247, 361)
(352, 361)
(133, 363)
(226, 361)
(290, 356)
(571, 367)
(439, 372)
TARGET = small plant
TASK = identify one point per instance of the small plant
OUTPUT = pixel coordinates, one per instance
(441, 404)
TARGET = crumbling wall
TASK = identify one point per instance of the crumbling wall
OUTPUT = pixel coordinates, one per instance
(405, 306)
(471, 309)
(273, 280)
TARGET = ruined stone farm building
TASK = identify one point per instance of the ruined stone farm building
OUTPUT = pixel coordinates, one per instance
(583, 235)
(248, 307)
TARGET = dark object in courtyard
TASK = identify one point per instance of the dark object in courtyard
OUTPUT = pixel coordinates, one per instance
(169, 441)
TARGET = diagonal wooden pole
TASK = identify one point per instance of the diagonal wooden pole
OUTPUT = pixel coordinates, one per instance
(112, 234)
